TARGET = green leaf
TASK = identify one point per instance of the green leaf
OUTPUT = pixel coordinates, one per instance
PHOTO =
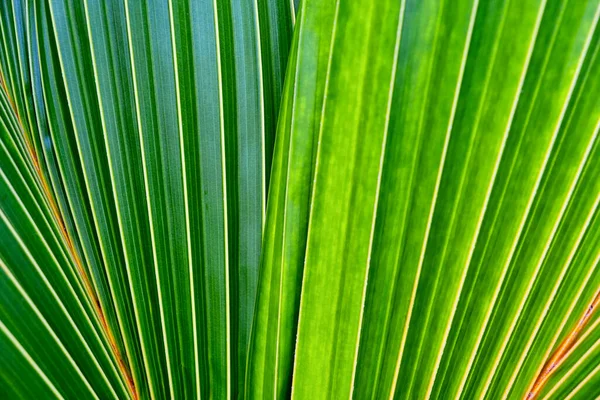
(442, 241)
(412, 213)
(157, 129)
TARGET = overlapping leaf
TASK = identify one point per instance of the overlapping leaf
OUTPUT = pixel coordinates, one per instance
(432, 227)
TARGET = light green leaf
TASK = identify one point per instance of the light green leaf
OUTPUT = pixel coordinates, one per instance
(447, 247)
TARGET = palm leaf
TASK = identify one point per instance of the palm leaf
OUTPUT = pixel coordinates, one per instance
(443, 239)
(151, 112)
(431, 228)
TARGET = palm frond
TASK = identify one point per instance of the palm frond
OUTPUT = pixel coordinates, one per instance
(412, 213)
(156, 112)
(443, 240)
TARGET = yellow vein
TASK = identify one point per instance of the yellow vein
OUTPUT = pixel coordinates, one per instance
(524, 71)
(542, 259)
(51, 253)
(554, 362)
(563, 323)
(50, 197)
(534, 193)
(116, 195)
(505, 137)
(103, 248)
(56, 262)
(581, 359)
(50, 222)
(91, 289)
(69, 203)
(573, 338)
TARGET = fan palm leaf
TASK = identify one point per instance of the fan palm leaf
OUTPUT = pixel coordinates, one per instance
(411, 213)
